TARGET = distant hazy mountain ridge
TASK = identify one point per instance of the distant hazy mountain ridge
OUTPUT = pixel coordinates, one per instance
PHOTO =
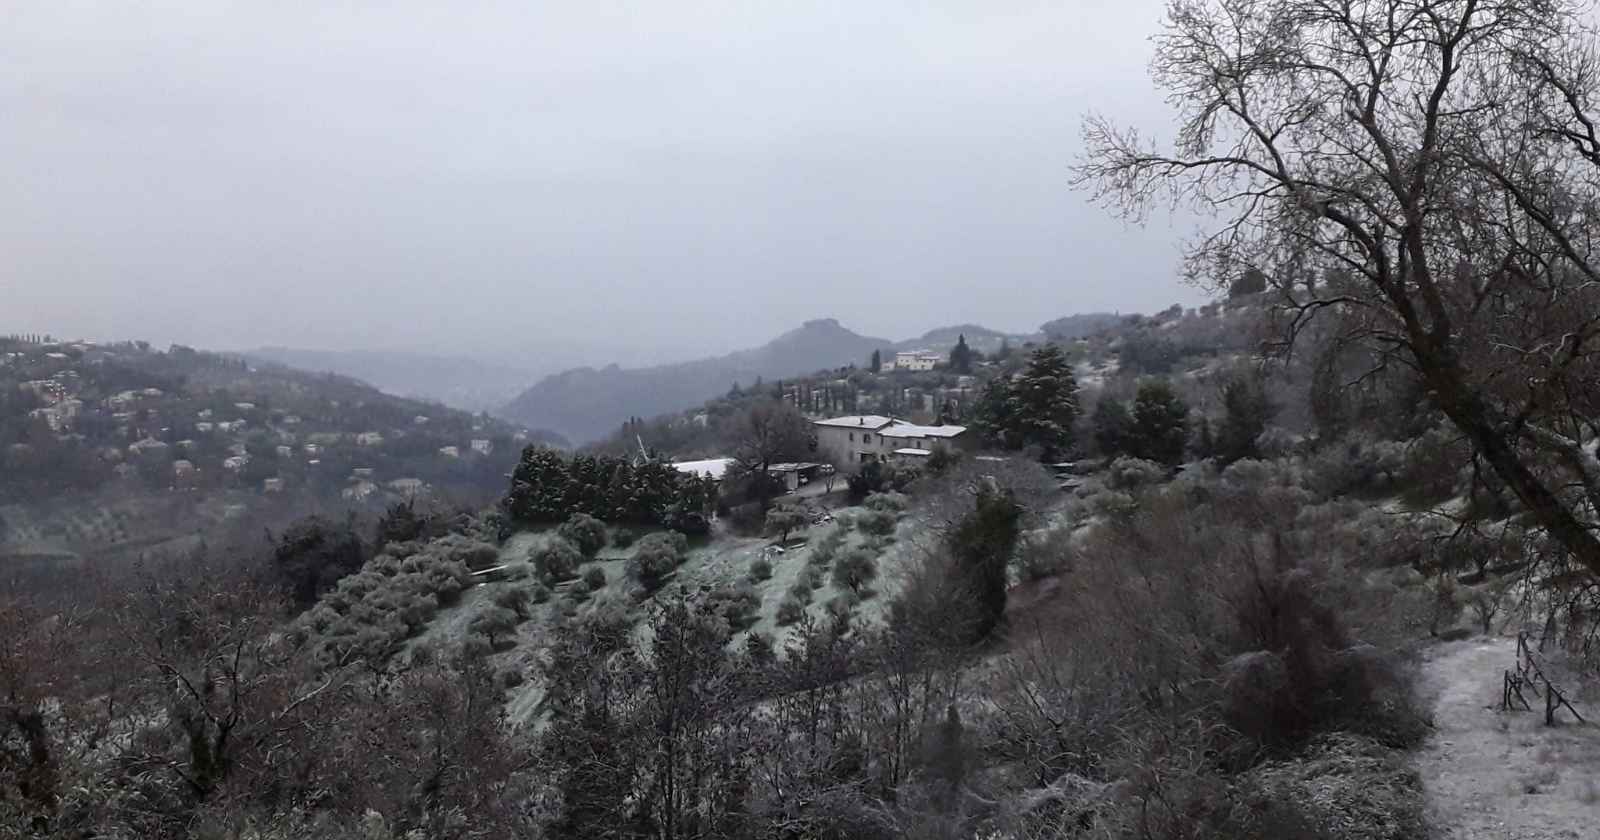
(458, 382)
(586, 404)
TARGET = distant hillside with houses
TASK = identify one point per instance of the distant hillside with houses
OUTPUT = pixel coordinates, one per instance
(587, 404)
(86, 425)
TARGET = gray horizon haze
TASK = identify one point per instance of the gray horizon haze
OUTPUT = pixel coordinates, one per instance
(550, 184)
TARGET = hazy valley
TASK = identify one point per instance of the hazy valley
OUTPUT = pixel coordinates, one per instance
(669, 478)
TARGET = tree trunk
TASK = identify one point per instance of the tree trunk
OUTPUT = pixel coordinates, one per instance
(1469, 414)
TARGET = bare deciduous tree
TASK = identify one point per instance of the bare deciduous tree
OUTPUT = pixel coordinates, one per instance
(1426, 172)
(767, 433)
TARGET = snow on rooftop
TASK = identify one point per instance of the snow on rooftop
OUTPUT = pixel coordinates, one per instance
(858, 421)
(909, 451)
(794, 466)
(713, 468)
(899, 429)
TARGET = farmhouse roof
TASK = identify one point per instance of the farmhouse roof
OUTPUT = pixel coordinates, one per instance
(872, 422)
(912, 430)
(713, 468)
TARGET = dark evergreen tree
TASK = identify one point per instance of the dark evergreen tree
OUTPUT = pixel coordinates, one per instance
(1160, 424)
(1246, 412)
(995, 416)
(982, 544)
(1045, 399)
(875, 364)
(961, 355)
(1111, 423)
(314, 554)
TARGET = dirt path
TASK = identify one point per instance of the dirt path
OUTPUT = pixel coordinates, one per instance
(1489, 774)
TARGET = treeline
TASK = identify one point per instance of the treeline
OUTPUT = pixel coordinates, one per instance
(549, 487)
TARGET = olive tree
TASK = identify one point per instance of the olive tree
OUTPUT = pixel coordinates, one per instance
(1424, 174)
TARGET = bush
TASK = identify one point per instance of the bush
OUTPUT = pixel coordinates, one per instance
(876, 523)
(579, 592)
(656, 556)
(1433, 467)
(513, 598)
(876, 477)
(760, 570)
(476, 647)
(556, 560)
(1045, 553)
(1128, 473)
(825, 548)
(594, 577)
(785, 518)
(890, 502)
(839, 609)
(586, 533)
(624, 537)
(495, 623)
(737, 605)
(790, 610)
(802, 589)
(511, 678)
(747, 519)
(474, 554)
(854, 571)
(539, 594)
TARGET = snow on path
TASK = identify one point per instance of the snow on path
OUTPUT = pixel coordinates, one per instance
(1502, 775)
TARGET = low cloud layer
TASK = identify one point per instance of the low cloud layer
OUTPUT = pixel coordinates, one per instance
(586, 180)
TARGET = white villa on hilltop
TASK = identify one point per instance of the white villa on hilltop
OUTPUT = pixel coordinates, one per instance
(871, 437)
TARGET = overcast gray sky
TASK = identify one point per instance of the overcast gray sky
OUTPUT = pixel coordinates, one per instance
(663, 178)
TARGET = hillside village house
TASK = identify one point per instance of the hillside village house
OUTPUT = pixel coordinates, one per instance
(48, 391)
(369, 439)
(359, 491)
(407, 486)
(450, 451)
(917, 360)
(872, 437)
(481, 446)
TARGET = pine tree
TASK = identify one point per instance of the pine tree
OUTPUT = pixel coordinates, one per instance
(1160, 424)
(876, 362)
(1111, 423)
(961, 355)
(1046, 402)
(1246, 411)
